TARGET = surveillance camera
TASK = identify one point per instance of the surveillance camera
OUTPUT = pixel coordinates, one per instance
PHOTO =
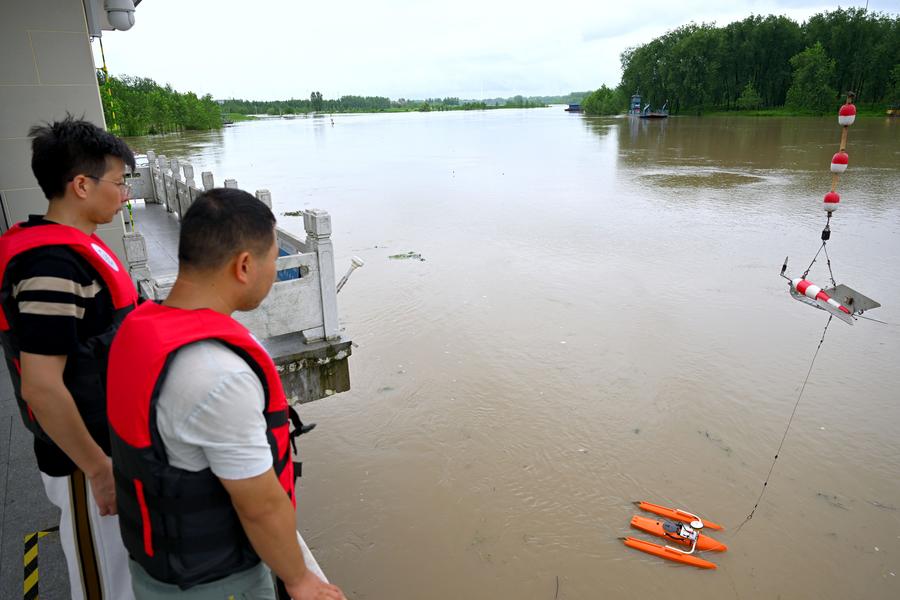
(120, 13)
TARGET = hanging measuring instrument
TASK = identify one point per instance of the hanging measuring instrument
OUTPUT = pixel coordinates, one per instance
(839, 301)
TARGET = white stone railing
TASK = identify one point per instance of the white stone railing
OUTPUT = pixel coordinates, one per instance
(307, 304)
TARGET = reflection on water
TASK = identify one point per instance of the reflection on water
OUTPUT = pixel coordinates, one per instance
(599, 319)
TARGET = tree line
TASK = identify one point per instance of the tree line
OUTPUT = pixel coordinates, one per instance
(763, 63)
(315, 103)
(345, 104)
(140, 106)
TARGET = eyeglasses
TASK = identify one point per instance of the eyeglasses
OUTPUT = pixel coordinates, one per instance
(124, 188)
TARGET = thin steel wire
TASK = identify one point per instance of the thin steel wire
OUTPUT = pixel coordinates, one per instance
(806, 272)
(786, 429)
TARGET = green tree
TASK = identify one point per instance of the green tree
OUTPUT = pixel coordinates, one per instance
(811, 87)
(315, 99)
(702, 66)
(140, 106)
(750, 98)
(604, 101)
(893, 96)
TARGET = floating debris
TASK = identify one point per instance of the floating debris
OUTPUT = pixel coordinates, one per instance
(293, 213)
(832, 500)
(878, 504)
(408, 256)
(717, 441)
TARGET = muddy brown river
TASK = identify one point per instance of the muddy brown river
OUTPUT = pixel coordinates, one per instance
(596, 318)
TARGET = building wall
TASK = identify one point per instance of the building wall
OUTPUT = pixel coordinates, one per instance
(46, 70)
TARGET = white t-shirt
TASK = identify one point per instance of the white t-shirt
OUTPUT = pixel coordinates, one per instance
(210, 413)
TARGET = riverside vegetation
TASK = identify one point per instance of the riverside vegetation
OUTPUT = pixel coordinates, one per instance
(369, 104)
(770, 65)
(136, 106)
(140, 106)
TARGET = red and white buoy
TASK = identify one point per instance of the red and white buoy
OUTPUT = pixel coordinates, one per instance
(839, 162)
(832, 199)
(847, 114)
(810, 290)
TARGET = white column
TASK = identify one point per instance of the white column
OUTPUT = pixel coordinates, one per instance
(154, 179)
(318, 239)
(190, 185)
(136, 257)
(171, 177)
(265, 196)
(207, 178)
(188, 174)
(161, 192)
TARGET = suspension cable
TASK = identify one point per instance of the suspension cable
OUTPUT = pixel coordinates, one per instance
(786, 429)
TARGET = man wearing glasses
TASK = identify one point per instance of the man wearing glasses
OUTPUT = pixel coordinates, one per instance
(63, 294)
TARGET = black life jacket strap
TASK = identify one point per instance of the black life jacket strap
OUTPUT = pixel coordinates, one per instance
(182, 505)
(202, 543)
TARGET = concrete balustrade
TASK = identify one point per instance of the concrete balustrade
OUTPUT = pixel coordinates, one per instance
(297, 322)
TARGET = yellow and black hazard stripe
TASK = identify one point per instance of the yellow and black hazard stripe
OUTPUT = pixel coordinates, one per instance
(30, 559)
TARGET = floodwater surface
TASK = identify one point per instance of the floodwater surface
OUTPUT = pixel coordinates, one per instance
(597, 318)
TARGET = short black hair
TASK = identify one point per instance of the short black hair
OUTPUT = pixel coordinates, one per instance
(63, 149)
(220, 223)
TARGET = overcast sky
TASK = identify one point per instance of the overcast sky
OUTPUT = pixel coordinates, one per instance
(267, 49)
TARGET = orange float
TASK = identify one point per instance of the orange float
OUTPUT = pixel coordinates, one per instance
(684, 530)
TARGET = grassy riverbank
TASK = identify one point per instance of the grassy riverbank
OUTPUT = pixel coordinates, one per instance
(237, 117)
(784, 112)
(370, 104)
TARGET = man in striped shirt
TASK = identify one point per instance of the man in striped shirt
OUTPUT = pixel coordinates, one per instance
(62, 294)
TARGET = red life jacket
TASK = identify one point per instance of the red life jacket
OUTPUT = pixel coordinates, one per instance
(180, 525)
(86, 364)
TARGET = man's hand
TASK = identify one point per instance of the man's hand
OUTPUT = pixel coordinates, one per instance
(310, 587)
(103, 487)
(268, 519)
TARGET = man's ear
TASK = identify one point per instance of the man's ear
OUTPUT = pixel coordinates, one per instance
(80, 185)
(242, 266)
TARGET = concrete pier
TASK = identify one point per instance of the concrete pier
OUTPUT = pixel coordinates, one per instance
(298, 321)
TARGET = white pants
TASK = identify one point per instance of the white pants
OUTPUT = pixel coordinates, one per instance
(95, 556)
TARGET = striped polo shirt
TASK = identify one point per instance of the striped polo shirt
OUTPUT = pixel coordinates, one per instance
(57, 300)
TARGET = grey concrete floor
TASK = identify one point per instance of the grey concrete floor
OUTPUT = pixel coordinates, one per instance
(24, 507)
(160, 230)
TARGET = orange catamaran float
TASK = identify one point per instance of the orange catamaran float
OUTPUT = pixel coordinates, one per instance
(684, 530)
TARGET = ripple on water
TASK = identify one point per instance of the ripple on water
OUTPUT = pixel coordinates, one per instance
(715, 179)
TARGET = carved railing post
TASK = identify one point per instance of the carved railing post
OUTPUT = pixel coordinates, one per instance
(188, 174)
(136, 257)
(318, 239)
(154, 178)
(265, 196)
(171, 187)
(162, 192)
(188, 187)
